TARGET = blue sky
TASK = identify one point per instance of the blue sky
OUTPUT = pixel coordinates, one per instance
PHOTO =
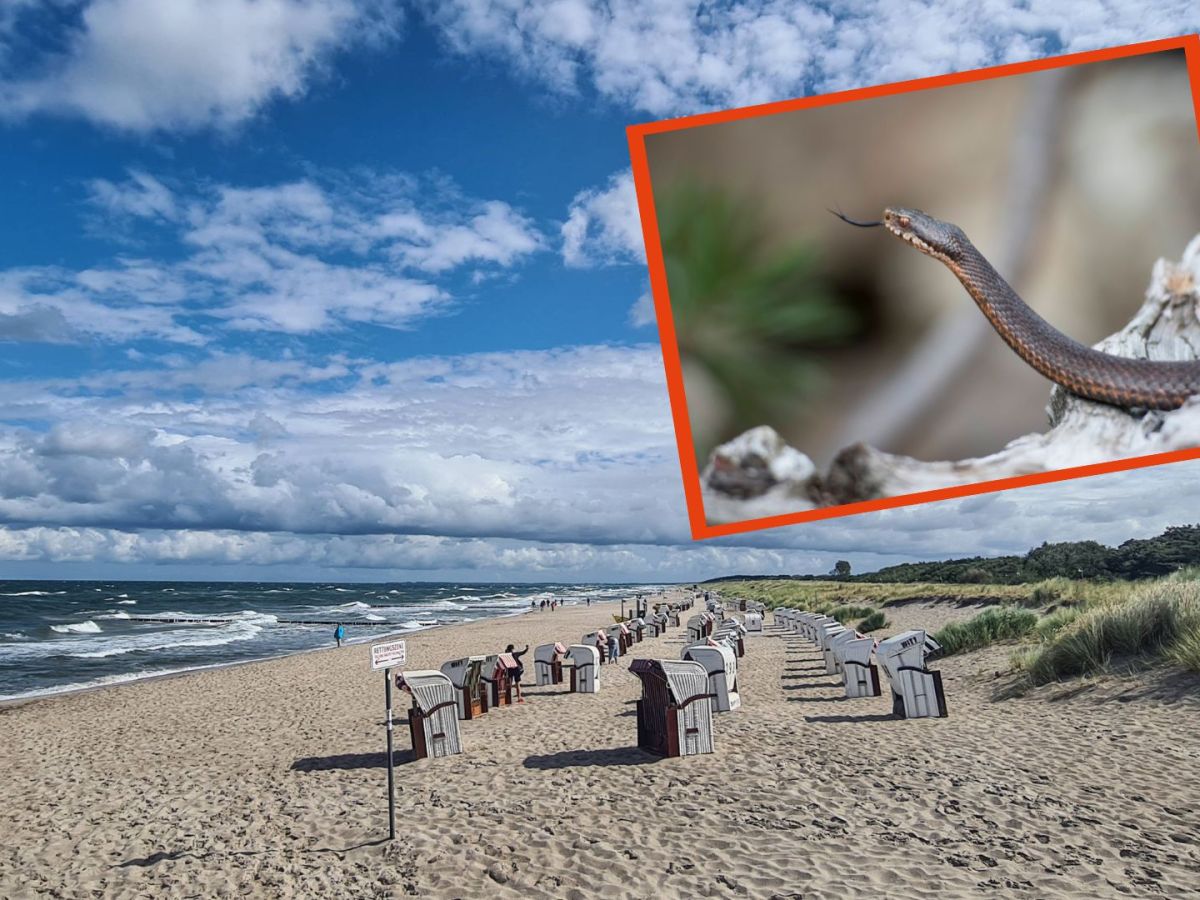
(354, 288)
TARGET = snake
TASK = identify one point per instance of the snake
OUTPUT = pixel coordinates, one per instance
(1134, 384)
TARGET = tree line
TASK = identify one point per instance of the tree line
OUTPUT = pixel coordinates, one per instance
(1175, 548)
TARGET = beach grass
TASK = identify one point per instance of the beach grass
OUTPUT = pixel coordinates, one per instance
(872, 622)
(992, 625)
(1160, 619)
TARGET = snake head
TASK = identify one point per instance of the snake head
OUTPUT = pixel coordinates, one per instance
(929, 235)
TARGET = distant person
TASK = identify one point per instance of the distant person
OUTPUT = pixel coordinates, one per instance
(602, 646)
(515, 674)
(338, 634)
(543, 606)
(613, 649)
(589, 600)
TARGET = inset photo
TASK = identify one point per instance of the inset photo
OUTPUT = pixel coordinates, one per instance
(929, 289)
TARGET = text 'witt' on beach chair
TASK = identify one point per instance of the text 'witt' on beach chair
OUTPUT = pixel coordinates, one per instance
(433, 719)
(585, 668)
(674, 715)
(547, 663)
(916, 691)
(720, 663)
(465, 674)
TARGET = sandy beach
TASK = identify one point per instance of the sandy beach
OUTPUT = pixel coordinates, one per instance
(269, 779)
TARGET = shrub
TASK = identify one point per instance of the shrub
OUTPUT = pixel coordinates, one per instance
(873, 622)
(846, 612)
(1186, 650)
(998, 624)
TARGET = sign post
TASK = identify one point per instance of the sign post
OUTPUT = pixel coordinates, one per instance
(384, 656)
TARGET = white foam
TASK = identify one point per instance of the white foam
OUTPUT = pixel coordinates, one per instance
(34, 594)
(88, 627)
(16, 636)
(126, 602)
(373, 618)
(116, 615)
(354, 604)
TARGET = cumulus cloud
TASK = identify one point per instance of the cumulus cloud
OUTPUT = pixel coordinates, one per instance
(147, 65)
(603, 226)
(682, 56)
(296, 257)
(559, 458)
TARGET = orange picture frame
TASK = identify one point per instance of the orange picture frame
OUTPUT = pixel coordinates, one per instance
(637, 134)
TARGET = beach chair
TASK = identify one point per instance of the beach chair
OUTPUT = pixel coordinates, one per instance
(836, 645)
(674, 714)
(496, 678)
(916, 691)
(721, 665)
(585, 668)
(859, 674)
(828, 632)
(695, 628)
(433, 719)
(637, 628)
(754, 621)
(465, 674)
(621, 633)
(547, 663)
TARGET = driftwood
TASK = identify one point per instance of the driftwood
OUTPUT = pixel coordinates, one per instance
(757, 474)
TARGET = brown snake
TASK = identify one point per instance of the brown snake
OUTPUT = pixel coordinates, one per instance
(1117, 380)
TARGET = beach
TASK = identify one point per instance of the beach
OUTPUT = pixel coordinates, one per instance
(268, 779)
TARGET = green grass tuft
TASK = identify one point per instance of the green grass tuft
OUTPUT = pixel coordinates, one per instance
(873, 622)
(997, 624)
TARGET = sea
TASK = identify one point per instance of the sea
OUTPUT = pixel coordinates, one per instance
(58, 636)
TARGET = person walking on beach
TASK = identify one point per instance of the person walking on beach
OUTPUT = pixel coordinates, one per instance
(589, 600)
(338, 634)
(613, 651)
(519, 670)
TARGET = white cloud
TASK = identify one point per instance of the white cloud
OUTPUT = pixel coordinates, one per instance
(642, 312)
(531, 462)
(603, 226)
(681, 56)
(147, 65)
(297, 257)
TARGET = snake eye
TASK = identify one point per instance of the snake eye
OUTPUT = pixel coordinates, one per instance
(905, 221)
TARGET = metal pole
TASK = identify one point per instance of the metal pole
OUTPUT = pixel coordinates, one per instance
(387, 675)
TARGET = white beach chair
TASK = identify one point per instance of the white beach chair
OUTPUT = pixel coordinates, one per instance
(585, 668)
(433, 719)
(754, 621)
(674, 715)
(721, 665)
(547, 663)
(859, 674)
(916, 691)
(828, 632)
(465, 675)
(836, 645)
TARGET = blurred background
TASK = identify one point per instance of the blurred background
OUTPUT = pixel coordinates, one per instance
(1072, 182)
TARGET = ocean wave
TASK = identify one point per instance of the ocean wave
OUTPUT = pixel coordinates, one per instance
(354, 604)
(16, 636)
(88, 627)
(34, 594)
(371, 617)
(126, 602)
(116, 615)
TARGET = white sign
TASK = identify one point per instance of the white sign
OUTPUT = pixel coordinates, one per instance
(384, 656)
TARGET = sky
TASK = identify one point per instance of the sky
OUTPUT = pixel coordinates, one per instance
(355, 289)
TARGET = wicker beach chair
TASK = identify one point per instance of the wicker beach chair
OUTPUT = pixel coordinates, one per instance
(547, 663)
(916, 691)
(720, 663)
(433, 719)
(465, 674)
(674, 715)
(585, 668)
